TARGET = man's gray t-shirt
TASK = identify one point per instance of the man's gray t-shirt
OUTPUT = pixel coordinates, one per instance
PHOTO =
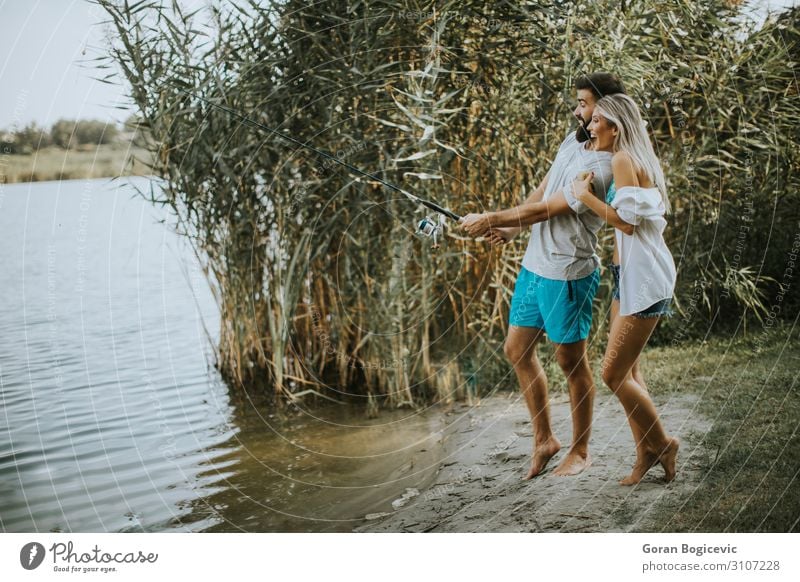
(563, 247)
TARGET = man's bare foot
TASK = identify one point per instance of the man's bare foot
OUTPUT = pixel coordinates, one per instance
(644, 462)
(668, 459)
(573, 464)
(541, 455)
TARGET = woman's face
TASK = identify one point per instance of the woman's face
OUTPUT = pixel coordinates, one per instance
(602, 133)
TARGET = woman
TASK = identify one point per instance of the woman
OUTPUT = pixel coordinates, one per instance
(643, 270)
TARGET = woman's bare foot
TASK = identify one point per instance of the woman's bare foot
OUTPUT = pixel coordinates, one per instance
(668, 459)
(541, 455)
(644, 462)
(573, 463)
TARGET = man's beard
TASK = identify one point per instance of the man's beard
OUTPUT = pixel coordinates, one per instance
(582, 134)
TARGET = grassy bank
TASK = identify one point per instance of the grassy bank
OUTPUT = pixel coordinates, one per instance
(54, 163)
(748, 389)
(734, 404)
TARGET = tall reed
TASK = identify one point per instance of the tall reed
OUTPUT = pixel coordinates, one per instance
(322, 287)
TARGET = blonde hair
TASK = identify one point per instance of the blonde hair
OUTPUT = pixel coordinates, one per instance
(622, 111)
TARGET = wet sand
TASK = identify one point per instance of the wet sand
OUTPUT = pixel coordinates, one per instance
(479, 484)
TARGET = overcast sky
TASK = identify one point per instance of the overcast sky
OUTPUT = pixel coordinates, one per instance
(41, 45)
(44, 46)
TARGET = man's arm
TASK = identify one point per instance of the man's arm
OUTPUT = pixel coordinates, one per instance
(535, 196)
(538, 194)
(518, 217)
(511, 228)
(530, 212)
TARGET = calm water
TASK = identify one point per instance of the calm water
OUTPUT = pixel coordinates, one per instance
(113, 418)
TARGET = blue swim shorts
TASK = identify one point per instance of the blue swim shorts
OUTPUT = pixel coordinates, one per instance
(563, 309)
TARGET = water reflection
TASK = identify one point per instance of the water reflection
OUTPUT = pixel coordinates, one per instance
(320, 470)
(112, 418)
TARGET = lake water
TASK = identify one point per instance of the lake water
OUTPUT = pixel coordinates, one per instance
(113, 418)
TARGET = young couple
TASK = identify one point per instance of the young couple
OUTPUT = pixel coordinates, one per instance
(560, 275)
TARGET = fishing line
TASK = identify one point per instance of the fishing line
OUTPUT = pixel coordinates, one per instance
(426, 227)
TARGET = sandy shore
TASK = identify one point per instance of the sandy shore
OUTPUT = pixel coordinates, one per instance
(478, 486)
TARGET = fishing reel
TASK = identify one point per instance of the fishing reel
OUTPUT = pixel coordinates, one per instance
(428, 227)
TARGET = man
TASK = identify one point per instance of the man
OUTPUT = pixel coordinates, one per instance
(557, 283)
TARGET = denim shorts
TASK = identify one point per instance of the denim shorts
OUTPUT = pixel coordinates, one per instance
(657, 309)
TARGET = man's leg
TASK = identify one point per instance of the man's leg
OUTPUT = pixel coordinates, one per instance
(575, 364)
(568, 320)
(520, 348)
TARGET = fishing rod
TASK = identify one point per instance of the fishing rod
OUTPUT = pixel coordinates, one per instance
(426, 227)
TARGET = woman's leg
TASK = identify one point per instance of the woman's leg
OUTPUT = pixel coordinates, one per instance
(627, 338)
(638, 434)
(637, 376)
(645, 460)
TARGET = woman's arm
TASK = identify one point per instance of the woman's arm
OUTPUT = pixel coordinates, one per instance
(622, 168)
(599, 207)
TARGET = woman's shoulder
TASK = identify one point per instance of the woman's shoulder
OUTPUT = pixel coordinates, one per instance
(627, 172)
(621, 157)
(624, 169)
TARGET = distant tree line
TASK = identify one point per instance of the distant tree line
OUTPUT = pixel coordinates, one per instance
(67, 134)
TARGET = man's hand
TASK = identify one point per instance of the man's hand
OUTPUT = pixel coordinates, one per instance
(582, 188)
(500, 236)
(475, 224)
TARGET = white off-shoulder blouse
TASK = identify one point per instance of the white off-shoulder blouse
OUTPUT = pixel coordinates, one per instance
(647, 270)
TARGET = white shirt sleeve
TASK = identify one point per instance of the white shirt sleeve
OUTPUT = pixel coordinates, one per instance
(600, 182)
(577, 206)
(635, 204)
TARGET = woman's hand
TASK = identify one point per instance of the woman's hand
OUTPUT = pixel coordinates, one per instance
(583, 188)
(476, 224)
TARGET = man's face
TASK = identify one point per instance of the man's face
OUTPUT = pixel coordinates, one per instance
(583, 113)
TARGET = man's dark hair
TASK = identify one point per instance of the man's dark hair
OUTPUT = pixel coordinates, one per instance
(600, 84)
